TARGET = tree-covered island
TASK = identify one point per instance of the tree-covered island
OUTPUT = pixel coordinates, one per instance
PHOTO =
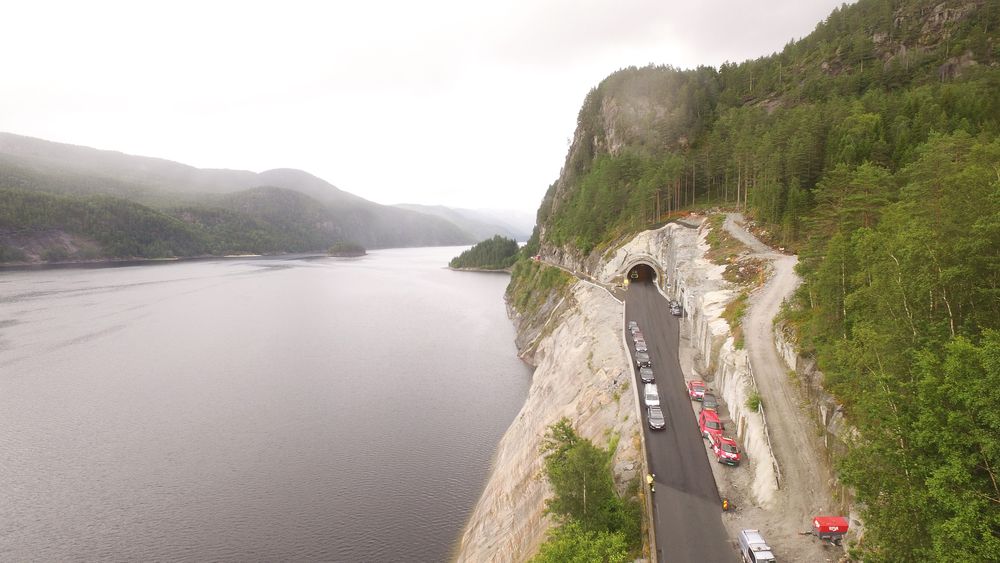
(347, 250)
(497, 253)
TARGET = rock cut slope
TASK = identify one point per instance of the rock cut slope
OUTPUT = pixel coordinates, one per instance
(582, 373)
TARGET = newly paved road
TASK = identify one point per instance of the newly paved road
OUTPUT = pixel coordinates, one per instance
(686, 506)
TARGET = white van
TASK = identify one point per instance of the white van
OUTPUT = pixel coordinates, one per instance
(650, 395)
(753, 547)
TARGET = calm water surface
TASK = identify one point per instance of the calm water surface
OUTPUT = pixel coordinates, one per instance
(250, 409)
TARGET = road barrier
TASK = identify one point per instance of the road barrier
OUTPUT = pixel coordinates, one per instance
(651, 529)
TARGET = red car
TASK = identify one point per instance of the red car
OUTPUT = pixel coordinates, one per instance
(709, 424)
(696, 389)
(725, 450)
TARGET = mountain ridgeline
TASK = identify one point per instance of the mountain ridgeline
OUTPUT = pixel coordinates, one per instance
(871, 147)
(62, 202)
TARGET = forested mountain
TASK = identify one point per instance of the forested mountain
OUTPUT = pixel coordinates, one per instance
(871, 147)
(51, 195)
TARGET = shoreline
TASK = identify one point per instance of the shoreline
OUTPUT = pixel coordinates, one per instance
(482, 270)
(116, 262)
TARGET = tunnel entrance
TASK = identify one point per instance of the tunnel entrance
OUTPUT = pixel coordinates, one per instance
(642, 273)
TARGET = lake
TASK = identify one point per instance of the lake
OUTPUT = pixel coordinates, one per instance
(251, 408)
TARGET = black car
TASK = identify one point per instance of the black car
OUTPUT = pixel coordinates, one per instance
(642, 360)
(709, 402)
(646, 375)
(675, 309)
(655, 418)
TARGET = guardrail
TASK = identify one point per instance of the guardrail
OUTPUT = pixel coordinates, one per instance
(767, 434)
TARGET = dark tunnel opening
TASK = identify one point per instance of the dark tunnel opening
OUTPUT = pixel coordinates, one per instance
(641, 273)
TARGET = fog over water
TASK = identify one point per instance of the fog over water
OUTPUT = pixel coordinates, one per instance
(248, 409)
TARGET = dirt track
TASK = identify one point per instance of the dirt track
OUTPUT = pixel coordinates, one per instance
(804, 489)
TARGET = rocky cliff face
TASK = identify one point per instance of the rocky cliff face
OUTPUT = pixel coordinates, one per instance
(583, 373)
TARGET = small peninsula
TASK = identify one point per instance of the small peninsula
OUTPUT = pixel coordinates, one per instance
(347, 250)
(494, 254)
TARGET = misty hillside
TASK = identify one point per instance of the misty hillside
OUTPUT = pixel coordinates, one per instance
(220, 211)
(482, 224)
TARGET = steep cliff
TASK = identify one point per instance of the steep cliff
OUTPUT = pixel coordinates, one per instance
(582, 373)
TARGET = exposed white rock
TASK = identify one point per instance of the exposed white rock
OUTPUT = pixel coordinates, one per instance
(583, 373)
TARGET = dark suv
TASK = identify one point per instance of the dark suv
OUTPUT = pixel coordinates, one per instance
(642, 360)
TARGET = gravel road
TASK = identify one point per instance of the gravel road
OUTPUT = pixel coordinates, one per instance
(804, 489)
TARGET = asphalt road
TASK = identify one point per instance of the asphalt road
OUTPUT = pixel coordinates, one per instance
(687, 509)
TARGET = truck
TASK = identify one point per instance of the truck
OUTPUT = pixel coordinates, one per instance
(753, 548)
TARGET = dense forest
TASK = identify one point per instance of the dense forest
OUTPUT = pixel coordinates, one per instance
(871, 148)
(497, 253)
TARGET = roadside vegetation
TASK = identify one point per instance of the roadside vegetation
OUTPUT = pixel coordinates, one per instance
(497, 253)
(594, 522)
(532, 283)
(734, 313)
(724, 248)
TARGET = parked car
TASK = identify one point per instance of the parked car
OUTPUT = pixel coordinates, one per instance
(709, 402)
(696, 389)
(650, 395)
(640, 346)
(725, 450)
(646, 375)
(637, 335)
(642, 360)
(709, 424)
(632, 325)
(753, 548)
(675, 309)
(655, 418)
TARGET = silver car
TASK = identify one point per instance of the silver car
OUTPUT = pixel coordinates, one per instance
(646, 375)
(640, 346)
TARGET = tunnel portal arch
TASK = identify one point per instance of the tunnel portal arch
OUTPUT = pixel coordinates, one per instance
(643, 268)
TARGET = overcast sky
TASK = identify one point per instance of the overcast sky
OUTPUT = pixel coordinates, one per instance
(455, 102)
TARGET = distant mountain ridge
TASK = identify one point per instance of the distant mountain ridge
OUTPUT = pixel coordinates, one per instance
(213, 210)
(483, 224)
